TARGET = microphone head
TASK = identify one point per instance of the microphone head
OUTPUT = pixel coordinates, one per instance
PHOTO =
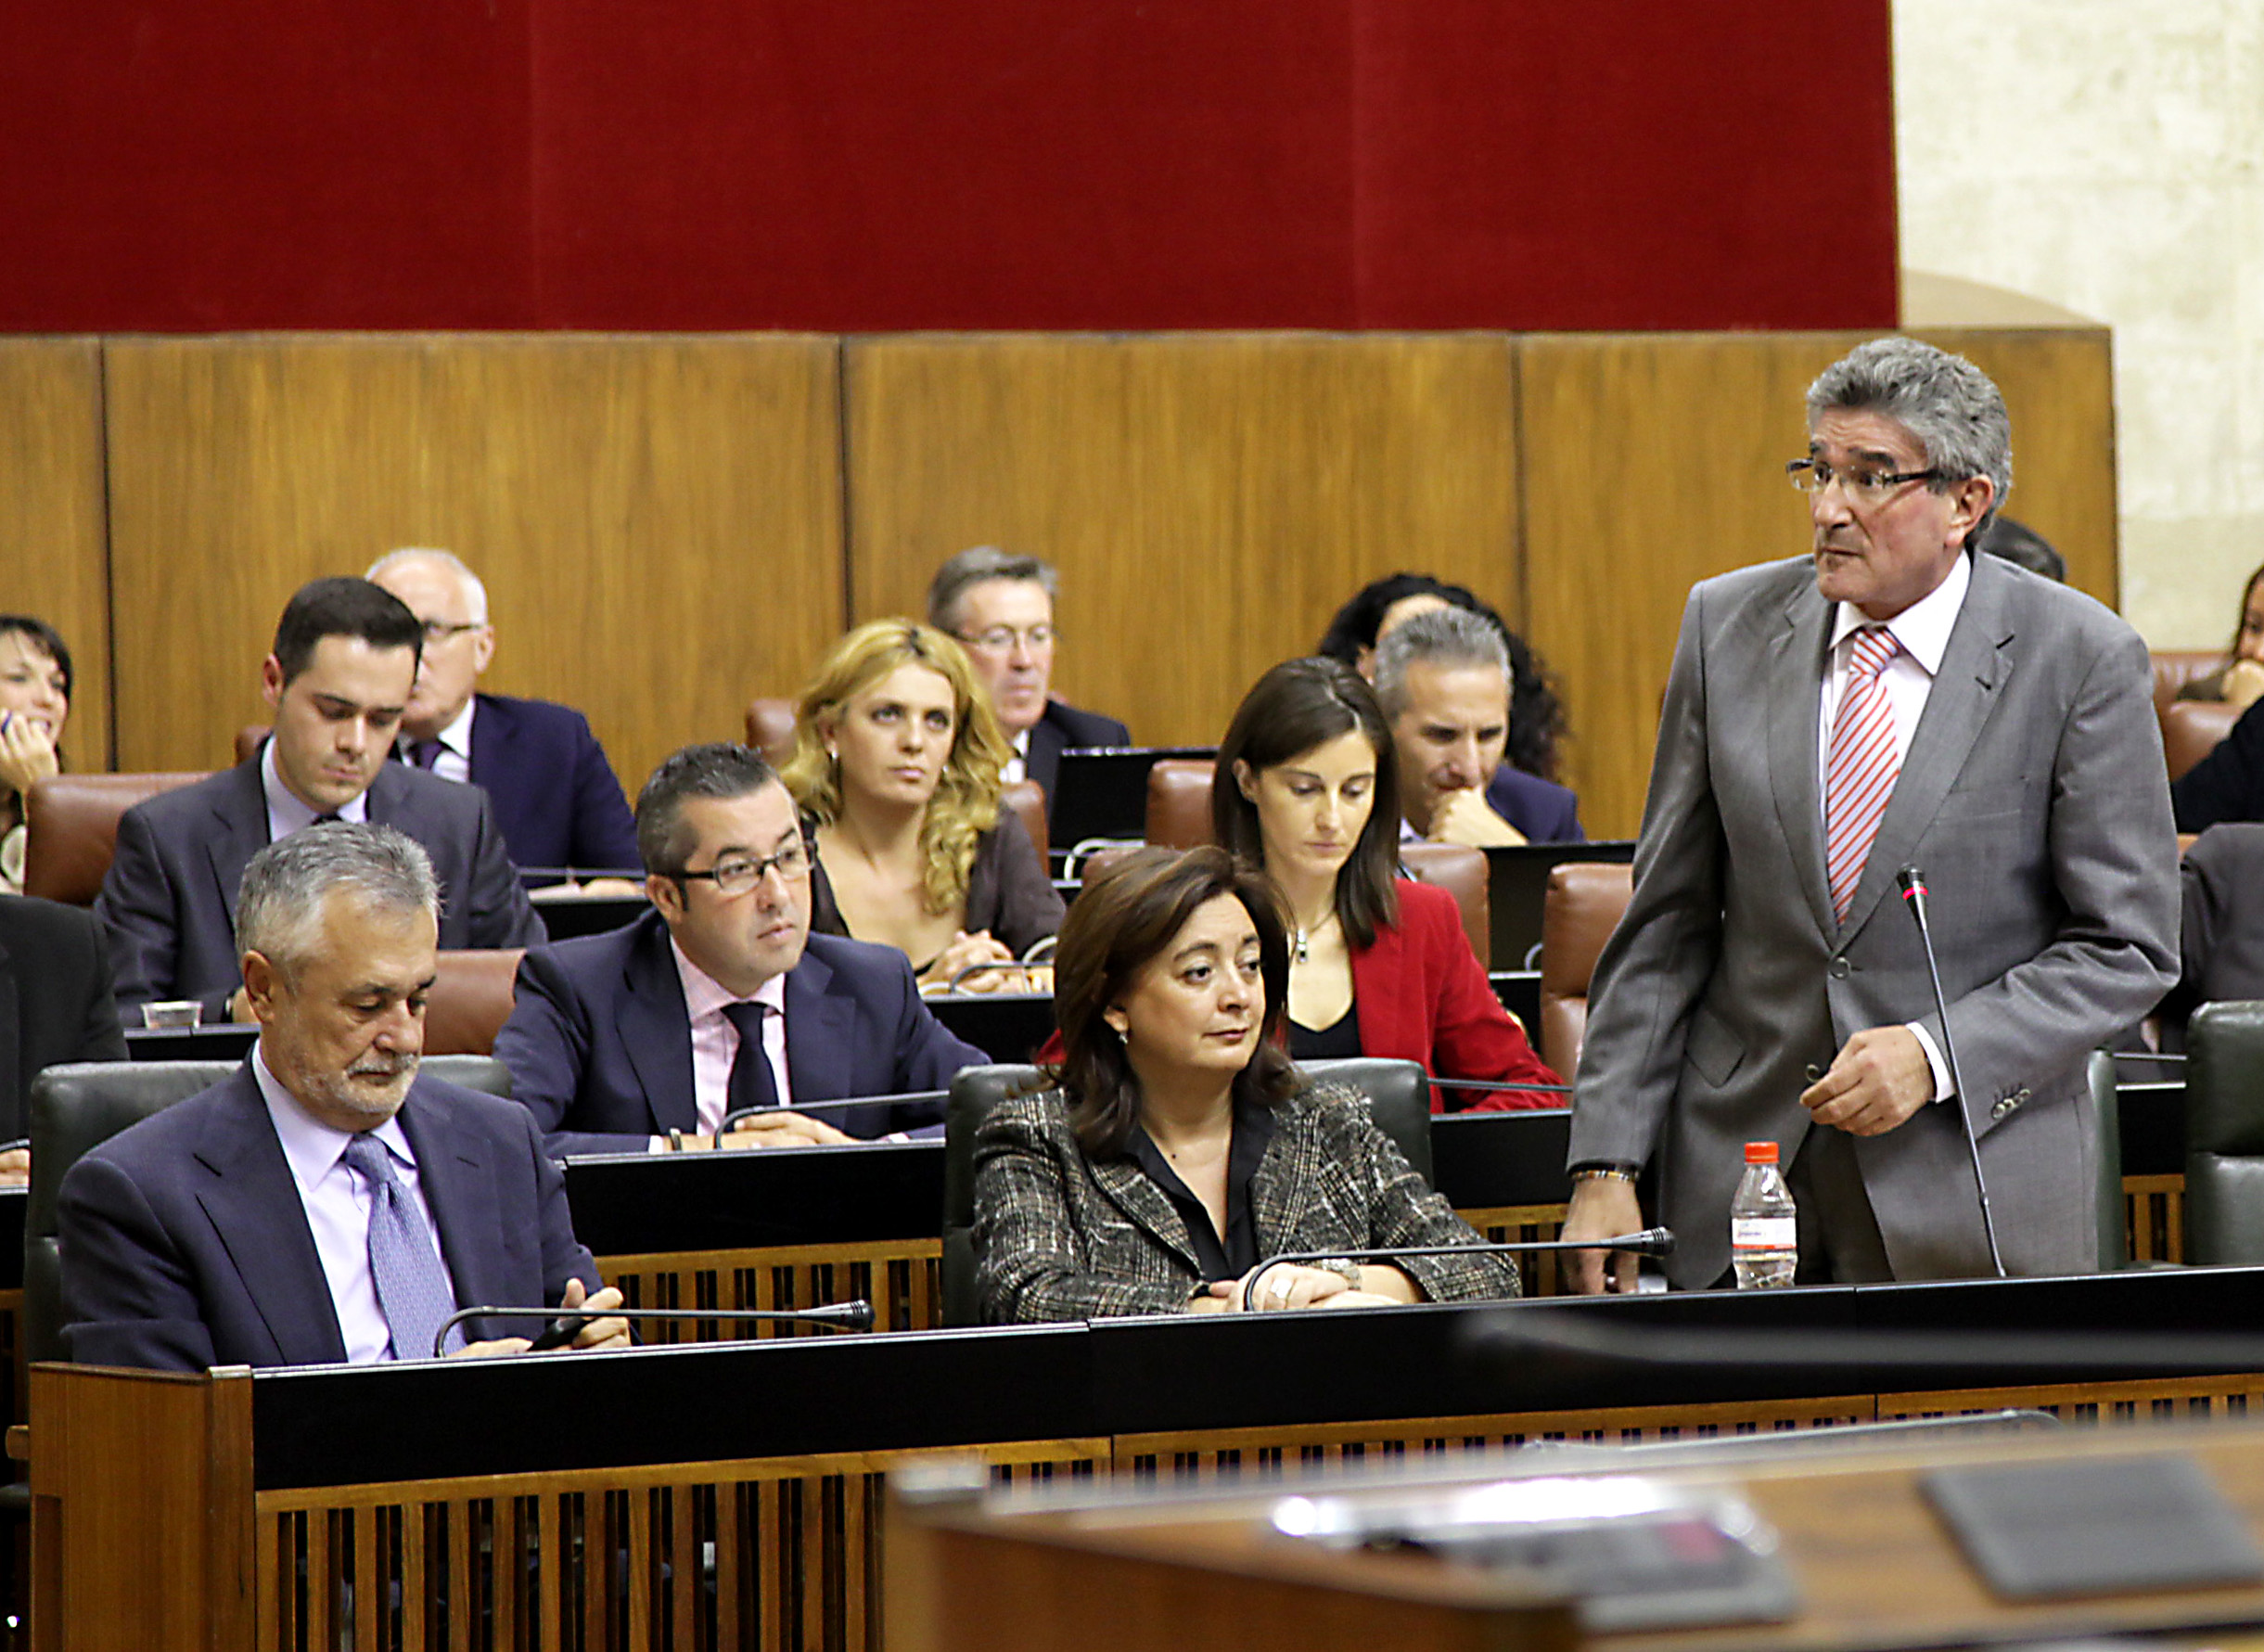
(1912, 882)
(857, 1315)
(1655, 1241)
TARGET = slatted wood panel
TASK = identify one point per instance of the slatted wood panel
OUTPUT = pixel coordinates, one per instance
(53, 527)
(1653, 461)
(1210, 499)
(656, 520)
(900, 1278)
(773, 1555)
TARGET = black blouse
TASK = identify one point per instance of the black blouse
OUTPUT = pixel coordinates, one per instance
(1238, 1253)
(1327, 1043)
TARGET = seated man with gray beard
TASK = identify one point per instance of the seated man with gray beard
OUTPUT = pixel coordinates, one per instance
(325, 1203)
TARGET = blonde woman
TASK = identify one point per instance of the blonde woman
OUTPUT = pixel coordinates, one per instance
(897, 757)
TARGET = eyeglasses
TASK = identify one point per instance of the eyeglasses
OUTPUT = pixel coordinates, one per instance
(741, 873)
(439, 631)
(1000, 639)
(1867, 487)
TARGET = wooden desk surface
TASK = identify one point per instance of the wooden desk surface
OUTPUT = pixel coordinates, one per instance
(1875, 1567)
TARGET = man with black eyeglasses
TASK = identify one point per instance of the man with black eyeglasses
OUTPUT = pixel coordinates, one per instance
(720, 1000)
(1889, 700)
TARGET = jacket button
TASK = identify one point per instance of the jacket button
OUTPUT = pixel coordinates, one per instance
(1841, 969)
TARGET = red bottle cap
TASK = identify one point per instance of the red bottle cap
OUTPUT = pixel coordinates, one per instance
(1760, 1152)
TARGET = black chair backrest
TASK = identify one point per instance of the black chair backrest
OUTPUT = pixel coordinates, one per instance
(1398, 1100)
(2225, 1134)
(79, 1106)
(2114, 1213)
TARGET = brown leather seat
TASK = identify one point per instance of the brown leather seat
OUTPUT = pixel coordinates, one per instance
(2173, 672)
(1027, 798)
(247, 741)
(770, 729)
(470, 1001)
(1179, 802)
(2190, 729)
(1581, 909)
(71, 830)
(1461, 872)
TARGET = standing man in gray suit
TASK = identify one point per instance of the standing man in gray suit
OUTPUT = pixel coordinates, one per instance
(1889, 699)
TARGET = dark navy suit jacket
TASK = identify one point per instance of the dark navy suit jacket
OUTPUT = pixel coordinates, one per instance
(186, 1244)
(553, 793)
(1543, 810)
(55, 998)
(169, 896)
(1061, 729)
(601, 1047)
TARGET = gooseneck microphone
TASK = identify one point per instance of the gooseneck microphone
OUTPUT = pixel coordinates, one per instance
(1913, 883)
(1652, 1241)
(564, 1328)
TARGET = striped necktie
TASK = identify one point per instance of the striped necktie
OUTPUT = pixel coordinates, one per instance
(1860, 771)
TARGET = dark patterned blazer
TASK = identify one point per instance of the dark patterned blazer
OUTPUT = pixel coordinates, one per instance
(1060, 1237)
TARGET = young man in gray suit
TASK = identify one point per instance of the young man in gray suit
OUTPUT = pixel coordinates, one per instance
(1890, 699)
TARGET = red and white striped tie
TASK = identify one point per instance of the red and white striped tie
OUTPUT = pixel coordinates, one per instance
(1860, 771)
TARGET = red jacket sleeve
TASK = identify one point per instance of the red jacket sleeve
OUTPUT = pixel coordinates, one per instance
(1421, 995)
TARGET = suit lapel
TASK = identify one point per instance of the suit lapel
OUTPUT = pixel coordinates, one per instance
(1041, 762)
(455, 1179)
(656, 1030)
(491, 736)
(1796, 690)
(820, 1027)
(1126, 1186)
(242, 811)
(1974, 668)
(255, 1209)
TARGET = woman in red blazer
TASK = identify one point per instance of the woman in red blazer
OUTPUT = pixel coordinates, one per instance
(1306, 787)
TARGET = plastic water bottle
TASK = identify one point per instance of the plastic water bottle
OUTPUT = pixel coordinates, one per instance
(1764, 1236)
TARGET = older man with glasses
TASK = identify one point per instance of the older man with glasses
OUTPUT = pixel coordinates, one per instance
(1000, 607)
(1889, 700)
(719, 1005)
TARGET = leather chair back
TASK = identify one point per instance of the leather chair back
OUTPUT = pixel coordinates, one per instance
(2225, 1134)
(2191, 730)
(2172, 671)
(471, 999)
(71, 830)
(770, 729)
(1463, 873)
(1179, 802)
(1027, 798)
(1582, 907)
(247, 739)
(79, 1106)
(1398, 1100)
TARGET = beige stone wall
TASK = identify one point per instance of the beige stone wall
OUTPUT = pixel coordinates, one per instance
(2108, 157)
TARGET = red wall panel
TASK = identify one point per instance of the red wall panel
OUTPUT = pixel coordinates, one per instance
(1107, 163)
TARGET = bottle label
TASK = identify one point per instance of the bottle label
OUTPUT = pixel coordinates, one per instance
(1764, 1232)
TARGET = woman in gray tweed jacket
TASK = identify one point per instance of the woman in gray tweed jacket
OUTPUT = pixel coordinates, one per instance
(1181, 1145)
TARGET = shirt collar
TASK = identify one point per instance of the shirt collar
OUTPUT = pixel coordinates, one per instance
(312, 1147)
(704, 995)
(457, 736)
(286, 814)
(1922, 629)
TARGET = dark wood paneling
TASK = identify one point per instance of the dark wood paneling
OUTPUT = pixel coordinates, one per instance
(656, 519)
(1210, 499)
(52, 528)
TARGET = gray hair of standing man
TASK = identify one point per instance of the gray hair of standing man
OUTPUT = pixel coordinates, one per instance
(1448, 637)
(973, 566)
(1953, 408)
(279, 903)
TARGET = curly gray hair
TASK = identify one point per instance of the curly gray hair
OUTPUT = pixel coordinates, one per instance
(1951, 408)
